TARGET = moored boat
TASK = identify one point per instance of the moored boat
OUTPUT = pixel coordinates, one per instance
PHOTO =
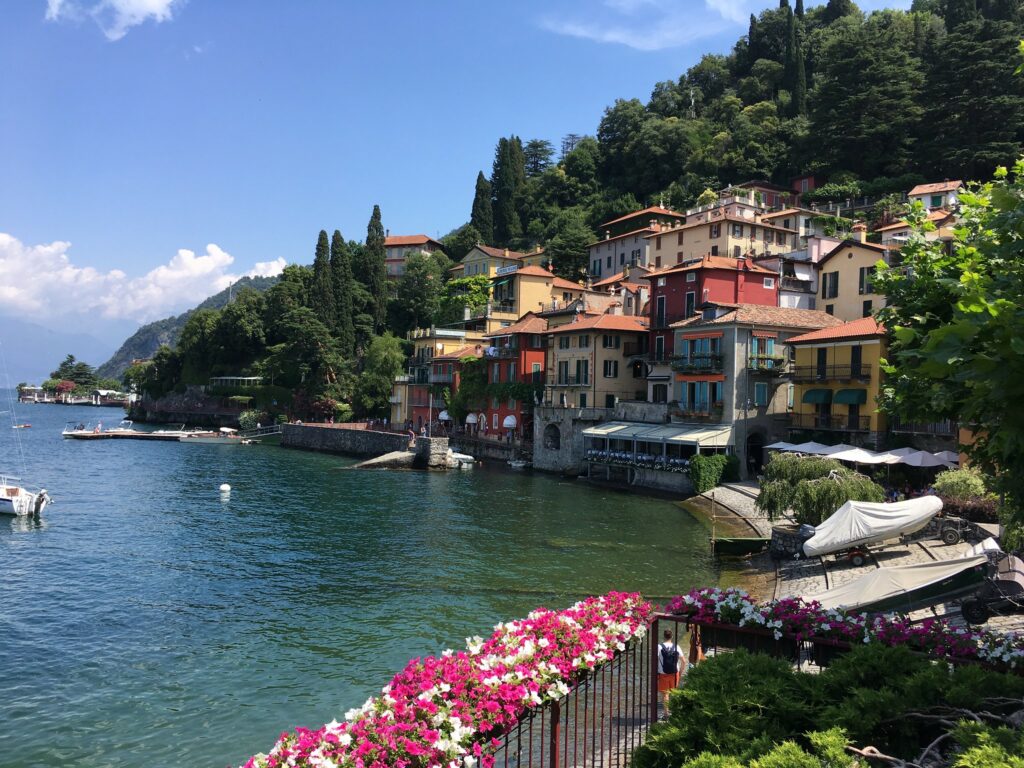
(16, 501)
(225, 436)
(739, 546)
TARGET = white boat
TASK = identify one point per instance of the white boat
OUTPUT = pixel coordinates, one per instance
(464, 460)
(225, 436)
(519, 464)
(18, 502)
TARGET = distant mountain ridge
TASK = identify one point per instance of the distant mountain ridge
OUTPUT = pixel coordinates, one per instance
(149, 338)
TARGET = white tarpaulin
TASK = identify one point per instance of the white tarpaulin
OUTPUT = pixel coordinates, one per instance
(891, 582)
(865, 522)
(985, 547)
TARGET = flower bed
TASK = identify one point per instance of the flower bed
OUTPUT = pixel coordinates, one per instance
(793, 618)
(449, 711)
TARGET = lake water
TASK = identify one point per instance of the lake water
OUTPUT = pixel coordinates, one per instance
(146, 621)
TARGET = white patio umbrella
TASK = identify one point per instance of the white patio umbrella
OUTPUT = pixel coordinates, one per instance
(444, 416)
(838, 449)
(810, 447)
(902, 451)
(780, 446)
(951, 456)
(509, 422)
(859, 456)
(471, 418)
(923, 459)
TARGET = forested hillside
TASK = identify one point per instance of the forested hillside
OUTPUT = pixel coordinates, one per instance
(870, 103)
(149, 338)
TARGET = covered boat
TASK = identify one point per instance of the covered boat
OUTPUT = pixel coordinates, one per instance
(907, 588)
(861, 523)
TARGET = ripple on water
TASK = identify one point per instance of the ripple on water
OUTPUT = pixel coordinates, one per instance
(149, 622)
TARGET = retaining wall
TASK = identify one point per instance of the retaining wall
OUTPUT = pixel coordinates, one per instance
(359, 441)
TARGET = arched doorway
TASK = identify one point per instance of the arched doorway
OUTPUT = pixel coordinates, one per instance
(552, 437)
(755, 454)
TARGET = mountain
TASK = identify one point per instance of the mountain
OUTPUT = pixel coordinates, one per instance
(148, 339)
(32, 351)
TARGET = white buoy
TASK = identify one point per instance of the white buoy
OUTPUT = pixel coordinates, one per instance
(225, 488)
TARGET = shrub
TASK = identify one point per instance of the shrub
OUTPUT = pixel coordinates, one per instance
(983, 509)
(731, 473)
(960, 484)
(249, 419)
(782, 475)
(706, 471)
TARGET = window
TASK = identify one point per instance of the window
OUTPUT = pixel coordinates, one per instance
(864, 280)
(716, 230)
(494, 420)
(830, 285)
(584, 342)
(767, 236)
(679, 257)
(535, 370)
(714, 250)
(737, 230)
(769, 282)
(610, 341)
(691, 303)
(494, 404)
(691, 277)
(536, 341)
(735, 251)
(936, 201)
(495, 373)
(611, 369)
(583, 372)
(657, 242)
(622, 258)
(563, 371)
(866, 309)
(661, 282)
(629, 299)
(805, 185)
(609, 401)
(780, 238)
(659, 316)
(760, 394)
(583, 399)
(511, 405)
(785, 223)
(512, 371)
(609, 262)
(634, 256)
(789, 396)
(563, 342)
(679, 237)
(657, 261)
(830, 309)
(659, 348)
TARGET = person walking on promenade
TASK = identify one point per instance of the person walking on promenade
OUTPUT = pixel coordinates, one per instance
(670, 661)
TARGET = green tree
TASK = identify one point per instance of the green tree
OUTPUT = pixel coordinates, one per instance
(418, 293)
(836, 9)
(482, 216)
(957, 347)
(65, 369)
(460, 242)
(344, 302)
(384, 360)
(567, 246)
(290, 292)
(376, 270)
(308, 357)
(537, 155)
(239, 333)
(473, 292)
(197, 345)
(321, 292)
(508, 177)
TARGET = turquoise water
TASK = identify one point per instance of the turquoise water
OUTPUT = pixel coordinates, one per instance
(146, 621)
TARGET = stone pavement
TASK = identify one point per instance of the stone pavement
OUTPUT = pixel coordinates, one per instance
(738, 498)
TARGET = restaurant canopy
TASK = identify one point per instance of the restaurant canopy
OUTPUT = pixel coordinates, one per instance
(843, 452)
(817, 396)
(667, 434)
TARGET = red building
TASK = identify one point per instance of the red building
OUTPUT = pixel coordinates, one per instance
(445, 373)
(515, 355)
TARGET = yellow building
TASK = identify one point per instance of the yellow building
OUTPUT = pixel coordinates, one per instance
(845, 277)
(837, 378)
(485, 260)
(733, 229)
(588, 365)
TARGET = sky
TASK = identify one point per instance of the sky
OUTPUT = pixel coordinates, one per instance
(153, 151)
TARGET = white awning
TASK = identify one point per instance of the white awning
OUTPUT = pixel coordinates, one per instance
(811, 447)
(471, 418)
(509, 422)
(705, 437)
(443, 416)
(803, 271)
(615, 430)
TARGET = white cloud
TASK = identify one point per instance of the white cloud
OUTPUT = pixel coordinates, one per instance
(41, 280)
(114, 17)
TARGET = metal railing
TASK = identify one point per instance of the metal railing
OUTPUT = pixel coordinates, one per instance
(698, 364)
(831, 373)
(945, 428)
(441, 378)
(570, 381)
(599, 723)
(772, 364)
(832, 422)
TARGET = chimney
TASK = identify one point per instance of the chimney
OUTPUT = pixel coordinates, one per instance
(387, 233)
(625, 272)
(506, 253)
(607, 234)
(860, 232)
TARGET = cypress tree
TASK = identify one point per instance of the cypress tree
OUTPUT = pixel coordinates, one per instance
(800, 8)
(507, 179)
(341, 278)
(482, 216)
(783, 3)
(321, 291)
(836, 9)
(376, 270)
(789, 60)
(800, 86)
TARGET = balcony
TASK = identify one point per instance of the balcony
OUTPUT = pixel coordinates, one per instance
(797, 286)
(635, 349)
(806, 373)
(441, 378)
(698, 364)
(417, 376)
(945, 428)
(699, 412)
(507, 352)
(532, 377)
(570, 381)
(771, 365)
(831, 423)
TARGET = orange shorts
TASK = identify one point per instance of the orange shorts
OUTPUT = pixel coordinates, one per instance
(667, 681)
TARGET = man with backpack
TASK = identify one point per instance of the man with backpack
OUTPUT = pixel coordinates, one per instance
(670, 662)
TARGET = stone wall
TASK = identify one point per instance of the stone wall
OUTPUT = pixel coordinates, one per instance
(356, 440)
(568, 425)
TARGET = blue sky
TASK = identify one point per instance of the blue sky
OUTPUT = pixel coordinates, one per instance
(154, 150)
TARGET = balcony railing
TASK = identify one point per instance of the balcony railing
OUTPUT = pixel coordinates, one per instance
(507, 352)
(832, 422)
(945, 428)
(418, 376)
(711, 412)
(570, 381)
(441, 378)
(635, 349)
(532, 377)
(797, 286)
(769, 364)
(831, 373)
(698, 364)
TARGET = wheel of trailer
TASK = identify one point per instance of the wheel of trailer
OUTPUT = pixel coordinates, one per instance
(857, 559)
(974, 611)
(950, 536)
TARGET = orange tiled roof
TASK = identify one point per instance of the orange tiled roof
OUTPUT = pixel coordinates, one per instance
(561, 282)
(857, 329)
(603, 323)
(941, 186)
(409, 240)
(654, 209)
(760, 314)
(470, 350)
(939, 214)
(501, 253)
(718, 262)
(528, 323)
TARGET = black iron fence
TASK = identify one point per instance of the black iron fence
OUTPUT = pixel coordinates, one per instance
(831, 422)
(831, 373)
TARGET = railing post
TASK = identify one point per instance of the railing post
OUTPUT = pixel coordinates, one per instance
(555, 734)
(654, 671)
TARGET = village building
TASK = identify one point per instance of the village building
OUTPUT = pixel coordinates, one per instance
(412, 399)
(943, 194)
(398, 248)
(845, 277)
(896, 234)
(515, 356)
